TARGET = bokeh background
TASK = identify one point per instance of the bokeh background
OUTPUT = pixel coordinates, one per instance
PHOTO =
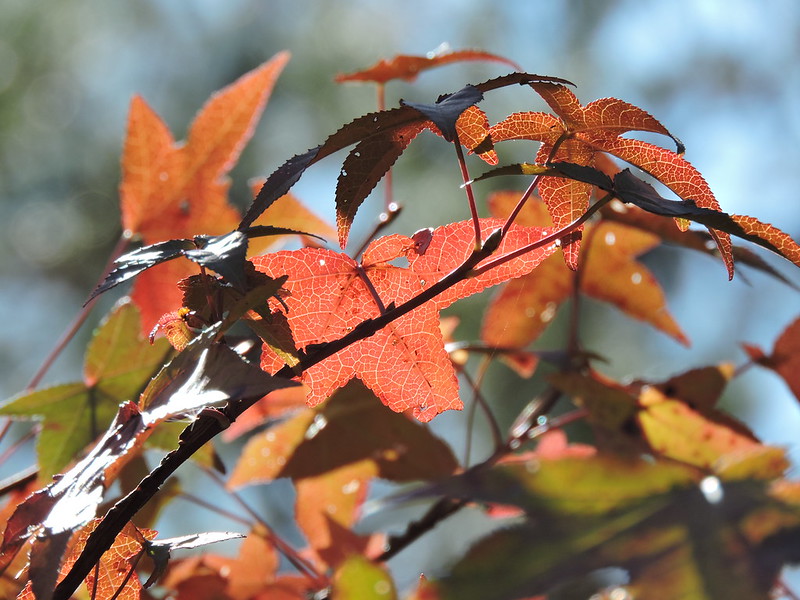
(723, 75)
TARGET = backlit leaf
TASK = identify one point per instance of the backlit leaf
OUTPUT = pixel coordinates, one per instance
(575, 137)
(404, 363)
(175, 191)
(785, 357)
(359, 579)
(407, 67)
(115, 573)
(683, 542)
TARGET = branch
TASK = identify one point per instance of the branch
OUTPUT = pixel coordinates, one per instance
(205, 428)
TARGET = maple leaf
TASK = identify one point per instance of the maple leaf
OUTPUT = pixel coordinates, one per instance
(332, 479)
(578, 133)
(118, 365)
(309, 443)
(407, 67)
(177, 191)
(252, 574)
(525, 306)
(404, 363)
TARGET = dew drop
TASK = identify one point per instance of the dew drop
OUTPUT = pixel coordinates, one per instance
(712, 489)
(351, 487)
(318, 424)
(548, 313)
(281, 460)
(610, 238)
(514, 444)
(321, 262)
(541, 420)
(270, 437)
(636, 278)
(163, 176)
(331, 509)
(265, 452)
(382, 588)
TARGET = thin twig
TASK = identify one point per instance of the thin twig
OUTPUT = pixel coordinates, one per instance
(384, 220)
(545, 241)
(435, 515)
(479, 400)
(473, 208)
(215, 509)
(300, 563)
(79, 319)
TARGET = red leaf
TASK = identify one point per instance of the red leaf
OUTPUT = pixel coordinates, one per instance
(405, 363)
(407, 67)
(171, 190)
(115, 571)
(575, 137)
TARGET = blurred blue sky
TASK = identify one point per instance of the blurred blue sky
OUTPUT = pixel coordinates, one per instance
(723, 76)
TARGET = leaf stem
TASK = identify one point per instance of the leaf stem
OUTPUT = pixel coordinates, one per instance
(385, 219)
(473, 208)
(78, 320)
(531, 188)
(550, 239)
(298, 562)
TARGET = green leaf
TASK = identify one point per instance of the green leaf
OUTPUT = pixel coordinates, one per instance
(359, 579)
(698, 542)
(118, 365)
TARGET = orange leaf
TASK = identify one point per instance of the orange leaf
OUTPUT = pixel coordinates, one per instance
(171, 191)
(309, 443)
(525, 306)
(785, 357)
(575, 137)
(329, 505)
(405, 363)
(407, 67)
(473, 132)
(115, 570)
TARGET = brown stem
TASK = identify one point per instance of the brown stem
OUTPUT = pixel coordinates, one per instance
(550, 239)
(531, 188)
(79, 319)
(473, 208)
(205, 428)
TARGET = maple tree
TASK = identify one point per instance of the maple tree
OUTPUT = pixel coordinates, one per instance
(330, 365)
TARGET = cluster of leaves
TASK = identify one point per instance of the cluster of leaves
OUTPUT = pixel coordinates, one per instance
(331, 364)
